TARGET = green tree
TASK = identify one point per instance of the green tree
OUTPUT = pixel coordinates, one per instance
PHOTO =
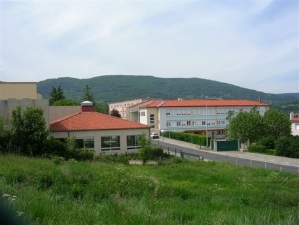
(17, 131)
(5, 137)
(29, 130)
(277, 124)
(246, 126)
(87, 94)
(56, 94)
(65, 102)
(102, 108)
(115, 113)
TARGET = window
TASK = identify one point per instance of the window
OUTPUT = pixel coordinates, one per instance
(203, 123)
(87, 142)
(188, 123)
(168, 124)
(152, 118)
(133, 142)
(110, 143)
(168, 114)
(178, 123)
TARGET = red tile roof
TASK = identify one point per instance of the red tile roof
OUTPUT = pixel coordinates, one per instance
(203, 103)
(295, 119)
(93, 121)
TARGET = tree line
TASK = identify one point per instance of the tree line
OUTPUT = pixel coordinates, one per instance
(270, 133)
(57, 98)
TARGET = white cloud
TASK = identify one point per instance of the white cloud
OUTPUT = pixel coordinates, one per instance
(243, 43)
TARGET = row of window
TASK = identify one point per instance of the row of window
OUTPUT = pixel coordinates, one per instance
(193, 123)
(109, 143)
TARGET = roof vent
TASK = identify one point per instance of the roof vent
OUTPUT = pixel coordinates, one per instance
(86, 103)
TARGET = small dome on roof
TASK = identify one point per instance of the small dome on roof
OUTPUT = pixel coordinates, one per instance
(87, 103)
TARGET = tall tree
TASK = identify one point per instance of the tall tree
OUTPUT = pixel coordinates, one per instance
(277, 124)
(29, 130)
(56, 94)
(87, 94)
(246, 126)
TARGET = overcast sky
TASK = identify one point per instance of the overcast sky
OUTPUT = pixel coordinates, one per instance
(248, 43)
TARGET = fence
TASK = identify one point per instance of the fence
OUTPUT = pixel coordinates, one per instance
(191, 154)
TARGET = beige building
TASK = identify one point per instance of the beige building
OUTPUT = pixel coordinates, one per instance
(13, 94)
(122, 106)
(19, 90)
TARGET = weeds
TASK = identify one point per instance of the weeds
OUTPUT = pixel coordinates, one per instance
(72, 192)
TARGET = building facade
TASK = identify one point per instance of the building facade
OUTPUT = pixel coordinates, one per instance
(294, 117)
(196, 116)
(23, 94)
(121, 107)
(103, 133)
(19, 90)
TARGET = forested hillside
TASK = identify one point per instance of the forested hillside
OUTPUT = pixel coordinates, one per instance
(125, 87)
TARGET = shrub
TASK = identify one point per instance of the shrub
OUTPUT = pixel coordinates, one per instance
(268, 142)
(83, 154)
(287, 146)
(257, 148)
(55, 147)
(187, 137)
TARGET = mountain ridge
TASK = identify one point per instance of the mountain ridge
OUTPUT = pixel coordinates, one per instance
(114, 88)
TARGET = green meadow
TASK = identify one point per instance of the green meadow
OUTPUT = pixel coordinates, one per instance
(179, 192)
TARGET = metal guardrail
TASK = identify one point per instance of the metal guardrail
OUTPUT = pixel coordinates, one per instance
(191, 154)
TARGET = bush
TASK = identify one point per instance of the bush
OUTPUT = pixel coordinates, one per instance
(287, 146)
(55, 147)
(268, 142)
(83, 154)
(257, 148)
(187, 137)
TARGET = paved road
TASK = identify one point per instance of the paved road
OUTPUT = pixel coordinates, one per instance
(190, 151)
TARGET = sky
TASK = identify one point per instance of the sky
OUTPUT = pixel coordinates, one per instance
(249, 43)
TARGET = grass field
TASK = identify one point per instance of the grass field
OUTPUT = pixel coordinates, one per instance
(71, 192)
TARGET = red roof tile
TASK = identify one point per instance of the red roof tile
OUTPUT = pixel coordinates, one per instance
(203, 103)
(93, 121)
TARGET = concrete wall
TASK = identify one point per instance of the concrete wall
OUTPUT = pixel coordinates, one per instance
(97, 134)
(18, 90)
(7, 106)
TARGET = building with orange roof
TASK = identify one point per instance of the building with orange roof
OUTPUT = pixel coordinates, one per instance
(196, 116)
(101, 132)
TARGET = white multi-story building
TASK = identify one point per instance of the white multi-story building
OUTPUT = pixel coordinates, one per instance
(196, 116)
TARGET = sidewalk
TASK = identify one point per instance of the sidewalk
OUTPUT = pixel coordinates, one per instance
(239, 154)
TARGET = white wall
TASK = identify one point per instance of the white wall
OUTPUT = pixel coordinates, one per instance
(96, 135)
(295, 128)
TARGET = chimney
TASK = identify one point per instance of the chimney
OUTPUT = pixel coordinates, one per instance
(260, 100)
(87, 106)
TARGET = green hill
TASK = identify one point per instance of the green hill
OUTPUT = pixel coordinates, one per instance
(126, 87)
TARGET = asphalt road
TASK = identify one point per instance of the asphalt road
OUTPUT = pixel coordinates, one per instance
(191, 152)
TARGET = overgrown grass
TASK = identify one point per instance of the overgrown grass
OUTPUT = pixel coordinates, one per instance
(71, 192)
